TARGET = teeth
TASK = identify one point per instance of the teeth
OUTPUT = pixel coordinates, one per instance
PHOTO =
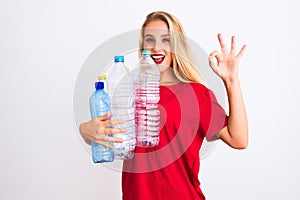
(157, 57)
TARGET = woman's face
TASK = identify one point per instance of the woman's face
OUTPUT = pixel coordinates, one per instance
(157, 39)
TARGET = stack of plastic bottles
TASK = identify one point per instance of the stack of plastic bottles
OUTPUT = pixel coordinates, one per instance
(133, 100)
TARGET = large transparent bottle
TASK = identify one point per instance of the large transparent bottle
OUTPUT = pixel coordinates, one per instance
(100, 104)
(147, 115)
(121, 89)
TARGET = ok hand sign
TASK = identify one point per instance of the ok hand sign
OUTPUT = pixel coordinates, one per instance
(227, 63)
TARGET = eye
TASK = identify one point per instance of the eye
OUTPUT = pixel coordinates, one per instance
(166, 40)
(149, 40)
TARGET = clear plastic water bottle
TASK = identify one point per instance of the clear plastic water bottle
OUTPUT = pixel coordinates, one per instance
(100, 104)
(147, 115)
(121, 90)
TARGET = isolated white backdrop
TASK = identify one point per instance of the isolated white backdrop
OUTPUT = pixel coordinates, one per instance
(43, 44)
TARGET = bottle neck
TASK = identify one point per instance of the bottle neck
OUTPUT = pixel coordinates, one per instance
(120, 67)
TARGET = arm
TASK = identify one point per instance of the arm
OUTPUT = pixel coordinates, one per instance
(235, 134)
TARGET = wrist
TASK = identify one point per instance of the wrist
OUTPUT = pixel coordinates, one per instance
(82, 133)
(231, 82)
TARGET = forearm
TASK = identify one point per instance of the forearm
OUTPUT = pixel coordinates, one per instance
(237, 120)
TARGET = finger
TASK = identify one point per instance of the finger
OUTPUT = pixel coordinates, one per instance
(222, 44)
(217, 55)
(113, 122)
(233, 46)
(104, 117)
(113, 139)
(105, 144)
(240, 54)
(114, 130)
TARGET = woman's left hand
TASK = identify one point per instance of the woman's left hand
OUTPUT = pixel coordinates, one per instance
(227, 63)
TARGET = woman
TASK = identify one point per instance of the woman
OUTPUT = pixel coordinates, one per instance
(189, 112)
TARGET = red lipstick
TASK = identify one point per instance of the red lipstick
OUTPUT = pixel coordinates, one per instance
(158, 58)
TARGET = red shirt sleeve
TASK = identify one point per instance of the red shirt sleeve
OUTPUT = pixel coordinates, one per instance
(213, 118)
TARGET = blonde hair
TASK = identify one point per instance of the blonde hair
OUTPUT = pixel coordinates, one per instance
(182, 62)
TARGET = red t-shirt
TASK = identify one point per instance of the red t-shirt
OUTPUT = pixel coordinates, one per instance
(189, 112)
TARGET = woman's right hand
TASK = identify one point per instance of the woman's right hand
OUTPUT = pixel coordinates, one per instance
(96, 130)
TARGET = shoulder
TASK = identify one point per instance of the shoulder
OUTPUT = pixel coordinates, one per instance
(203, 93)
(198, 87)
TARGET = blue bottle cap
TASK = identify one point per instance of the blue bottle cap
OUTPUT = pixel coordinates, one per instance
(119, 58)
(146, 52)
(99, 85)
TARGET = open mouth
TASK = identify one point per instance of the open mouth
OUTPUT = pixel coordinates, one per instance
(158, 58)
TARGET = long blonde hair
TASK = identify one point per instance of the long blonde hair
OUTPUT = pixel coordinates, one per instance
(182, 62)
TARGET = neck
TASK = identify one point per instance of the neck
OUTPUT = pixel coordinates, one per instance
(167, 76)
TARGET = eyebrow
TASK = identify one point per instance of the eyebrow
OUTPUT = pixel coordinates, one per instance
(164, 35)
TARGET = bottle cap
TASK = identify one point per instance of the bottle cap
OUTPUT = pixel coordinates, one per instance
(119, 58)
(99, 85)
(101, 77)
(146, 52)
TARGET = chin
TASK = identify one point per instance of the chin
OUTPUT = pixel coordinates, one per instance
(163, 68)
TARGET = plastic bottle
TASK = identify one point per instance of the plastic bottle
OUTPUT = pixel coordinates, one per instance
(102, 78)
(100, 104)
(147, 115)
(121, 90)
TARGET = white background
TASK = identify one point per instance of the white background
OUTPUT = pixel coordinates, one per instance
(43, 45)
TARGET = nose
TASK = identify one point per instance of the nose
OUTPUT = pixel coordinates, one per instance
(157, 46)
